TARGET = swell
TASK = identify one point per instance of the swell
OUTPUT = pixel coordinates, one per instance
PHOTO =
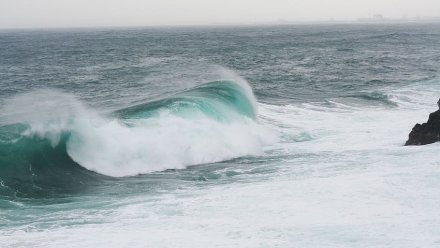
(53, 152)
(375, 97)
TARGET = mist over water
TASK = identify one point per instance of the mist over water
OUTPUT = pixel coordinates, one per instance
(237, 137)
(135, 13)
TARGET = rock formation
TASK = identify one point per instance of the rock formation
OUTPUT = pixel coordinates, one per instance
(426, 133)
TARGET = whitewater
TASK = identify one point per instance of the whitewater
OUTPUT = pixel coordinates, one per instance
(275, 137)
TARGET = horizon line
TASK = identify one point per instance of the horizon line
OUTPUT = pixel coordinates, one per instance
(360, 21)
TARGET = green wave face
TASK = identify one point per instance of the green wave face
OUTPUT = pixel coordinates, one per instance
(220, 100)
(32, 167)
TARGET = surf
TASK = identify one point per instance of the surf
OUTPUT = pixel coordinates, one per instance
(47, 135)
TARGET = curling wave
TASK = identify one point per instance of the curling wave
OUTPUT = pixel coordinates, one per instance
(47, 135)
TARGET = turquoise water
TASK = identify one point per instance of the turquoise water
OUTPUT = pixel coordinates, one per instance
(286, 136)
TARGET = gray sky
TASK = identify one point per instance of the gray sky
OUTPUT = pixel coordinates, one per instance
(85, 13)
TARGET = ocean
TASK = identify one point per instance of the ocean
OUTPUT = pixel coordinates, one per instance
(247, 136)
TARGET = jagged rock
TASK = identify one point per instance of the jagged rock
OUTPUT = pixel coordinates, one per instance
(426, 133)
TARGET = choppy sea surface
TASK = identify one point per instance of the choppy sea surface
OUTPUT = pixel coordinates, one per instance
(274, 136)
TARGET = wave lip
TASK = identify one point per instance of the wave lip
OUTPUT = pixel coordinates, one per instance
(224, 100)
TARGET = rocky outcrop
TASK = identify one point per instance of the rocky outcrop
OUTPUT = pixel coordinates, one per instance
(426, 133)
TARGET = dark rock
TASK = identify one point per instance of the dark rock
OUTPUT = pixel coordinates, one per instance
(426, 133)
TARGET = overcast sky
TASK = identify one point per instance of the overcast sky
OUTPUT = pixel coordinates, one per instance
(81, 13)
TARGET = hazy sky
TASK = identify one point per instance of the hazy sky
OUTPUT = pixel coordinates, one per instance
(80, 13)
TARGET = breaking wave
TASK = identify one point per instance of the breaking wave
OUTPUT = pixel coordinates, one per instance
(49, 137)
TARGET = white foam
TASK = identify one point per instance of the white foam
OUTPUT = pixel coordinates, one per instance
(165, 142)
(349, 128)
(395, 205)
